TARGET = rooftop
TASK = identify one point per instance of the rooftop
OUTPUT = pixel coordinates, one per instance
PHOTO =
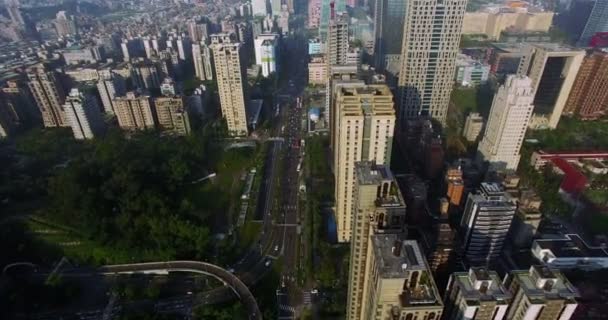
(480, 284)
(369, 173)
(542, 283)
(556, 47)
(395, 257)
(571, 246)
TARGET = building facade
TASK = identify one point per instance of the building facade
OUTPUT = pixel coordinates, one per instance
(134, 112)
(364, 128)
(389, 17)
(470, 72)
(597, 22)
(48, 95)
(472, 126)
(172, 115)
(476, 295)
(266, 52)
(507, 123)
(317, 70)
(540, 293)
(431, 40)
(485, 223)
(230, 82)
(337, 41)
(201, 54)
(589, 95)
(109, 88)
(83, 114)
(492, 21)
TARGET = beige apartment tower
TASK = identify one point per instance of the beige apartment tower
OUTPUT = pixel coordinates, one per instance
(476, 295)
(230, 82)
(552, 68)
(540, 293)
(134, 111)
(49, 96)
(379, 208)
(337, 40)
(172, 115)
(364, 125)
(431, 40)
(400, 284)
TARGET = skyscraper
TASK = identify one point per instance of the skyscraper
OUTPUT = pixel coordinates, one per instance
(597, 22)
(540, 293)
(172, 115)
(552, 67)
(48, 94)
(589, 98)
(266, 52)
(83, 114)
(401, 286)
(146, 75)
(197, 31)
(109, 87)
(507, 123)
(337, 41)
(485, 223)
(379, 209)
(388, 33)
(476, 295)
(363, 131)
(339, 6)
(230, 82)
(64, 24)
(201, 54)
(14, 12)
(134, 112)
(431, 39)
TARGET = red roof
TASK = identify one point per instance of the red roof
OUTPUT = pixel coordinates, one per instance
(574, 181)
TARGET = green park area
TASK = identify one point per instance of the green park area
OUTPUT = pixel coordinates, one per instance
(119, 198)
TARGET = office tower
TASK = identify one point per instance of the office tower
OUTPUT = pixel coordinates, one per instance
(266, 52)
(485, 223)
(378, 209)
(552, 68)
(134, 111)
(540, 293)
(400, 284)
(507, 122)
(275, 7)
(527, 219)
(431, 39)
(172, 115)
(589, 95)
(364, 132)
(83, 114)
(453, 178)
(476, 295)
(388, 34)
(231, 87)
(48, 95)
(14, 12)
(329, 8)
(472, 126)
(146, 75)
(201, 54)
(337, 40)
(597, 22)
(65, 24)
(110, 87)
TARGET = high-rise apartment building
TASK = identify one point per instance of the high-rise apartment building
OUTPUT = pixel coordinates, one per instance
(401, 285)
(110, 87)
(597, 22)
(134, 111)
(329, 7)
(552, 68)
(363, 131)
(230, 82)
(14, 12)
(198, 31)
(541, 294)
(83, 114)
(507, 123)
(476, 295)
(172, 115)
(201, 54)
(48, 95)
(337, 40)
(389, 16)
(64, 24)
(589, 95)
(266, 47)
(338, 77)
(431, 40)
(378, 209)
(146, 75)
(259, 7)
(485, 223)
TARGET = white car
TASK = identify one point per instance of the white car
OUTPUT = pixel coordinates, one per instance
(267, 263)
(276, 248)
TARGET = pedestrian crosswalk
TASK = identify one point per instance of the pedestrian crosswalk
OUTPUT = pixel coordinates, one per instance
(287, 308)
(306, 297)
